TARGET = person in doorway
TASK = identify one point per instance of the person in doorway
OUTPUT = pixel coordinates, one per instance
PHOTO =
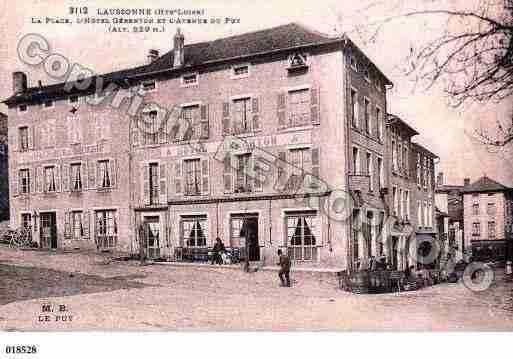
(217, 251)
(284, 272)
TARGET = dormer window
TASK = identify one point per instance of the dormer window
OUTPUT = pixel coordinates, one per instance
(189, 80)
(22, 108)
(298, 61)
(47, 104)
(240, 71)
(149, 86)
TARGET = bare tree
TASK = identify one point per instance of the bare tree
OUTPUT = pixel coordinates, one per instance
(473, 56)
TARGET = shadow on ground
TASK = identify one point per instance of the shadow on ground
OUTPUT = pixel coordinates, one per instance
(24, 283)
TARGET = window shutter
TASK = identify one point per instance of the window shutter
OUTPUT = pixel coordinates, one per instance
(314, 106)
(256, 118)
(51, 132)
(98, 172)
(85, 224)
(58, 184)
(84, 175)
(205, 176)
(257, 184)
(15, 183)
(162, 184)
(13, 140)
(39, 179)
(315, 168)
(226, 118)
(281, 109)
(178, 178)
(32, 180)
(92, 174)
(282, 175)
(66, 174)
(67, 224)
(227, 174)
(136, 133)
(204, 121)
(113, 172)
(145, 183)
(31, 138)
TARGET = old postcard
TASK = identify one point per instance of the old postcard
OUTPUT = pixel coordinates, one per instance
(255, 166)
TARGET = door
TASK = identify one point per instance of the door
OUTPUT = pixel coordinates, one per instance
(152, 232)
(244, 235)
(48, 230)
(252, 238)
(395, 252)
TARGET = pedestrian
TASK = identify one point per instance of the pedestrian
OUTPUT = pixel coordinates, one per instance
(373, 264)
(217, 251)
(284, 272)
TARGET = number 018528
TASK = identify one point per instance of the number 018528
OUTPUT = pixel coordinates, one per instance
(20, 349)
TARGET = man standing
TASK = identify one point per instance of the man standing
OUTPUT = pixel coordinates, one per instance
(284, 273)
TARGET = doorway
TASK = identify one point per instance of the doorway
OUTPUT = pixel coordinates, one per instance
(152, 233)
(395, 252)
(244, 234)
(48, 230)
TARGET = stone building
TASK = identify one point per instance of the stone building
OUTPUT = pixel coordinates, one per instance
(279, 141)
(488, 219)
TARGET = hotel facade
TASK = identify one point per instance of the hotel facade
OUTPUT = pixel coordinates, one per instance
(282, 141)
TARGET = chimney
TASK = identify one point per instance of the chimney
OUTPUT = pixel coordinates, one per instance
(19, 82)
(152, 55)
(440, 179)
(466, 181)
(178, 49)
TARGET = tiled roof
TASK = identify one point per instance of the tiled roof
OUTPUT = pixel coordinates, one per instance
(485, 184)
(278, 38)
(424, 149)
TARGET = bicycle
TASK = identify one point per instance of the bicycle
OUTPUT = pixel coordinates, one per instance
(18, 238)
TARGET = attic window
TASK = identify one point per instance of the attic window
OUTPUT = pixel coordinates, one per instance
(149, 86)
(48, 104)
(240, 71)
(23, 108)
(189, 80)
(298, 61)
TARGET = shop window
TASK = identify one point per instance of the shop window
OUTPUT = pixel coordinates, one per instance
(302, 236)
(194, 231)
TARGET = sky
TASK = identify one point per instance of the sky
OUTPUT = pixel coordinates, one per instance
(446, 130)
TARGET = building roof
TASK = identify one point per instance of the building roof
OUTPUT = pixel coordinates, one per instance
(485, 184)
(280, 38)
(395, 120)
(424, 149)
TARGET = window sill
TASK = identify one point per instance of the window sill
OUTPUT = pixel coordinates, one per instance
(296, 129)
(367, 135)
(104, 189)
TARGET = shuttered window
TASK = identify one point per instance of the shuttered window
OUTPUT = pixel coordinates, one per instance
(192, 177)
(24, 181)
(50, 180)
(299, 108)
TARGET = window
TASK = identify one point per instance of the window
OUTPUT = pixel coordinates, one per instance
(105, 175)
(298, 60)
(399, 156)
(106, 229)
(354, 108)
(192, 177)
(356, 160)
(299, 102)
(23, 108)
(191, 117)
(379, 123)
(242, 173)
(405, 159)
(356, 233)
(26, 220)
(394, 201)
(240, 71)
(73, 99)
(151, 124)
(301, 161)
(154, 183)
(194, 231)
(24, 181)
(490, 209)
(366, 108)
(381, 176)
(370, 171)
(418, 169)
(491, 230)
(189, 80)
(302, 234)
(149, 86)
(400, 204)
(49, 179)
(77, 229)
(366, 74)
(24, 138)
(407, 204)
(74, 129)
(354, 63)
(475, 209)
(76, 176)
(419, 214)
(476, 229)
(426, 215)
(47, 104)
(242, 115)
(394, 156)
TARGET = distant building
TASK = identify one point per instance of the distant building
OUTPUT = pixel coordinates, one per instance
(488, 219)
(4, 169)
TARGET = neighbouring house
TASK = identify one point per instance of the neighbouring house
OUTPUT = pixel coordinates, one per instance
(303, 111)
(488, 219)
